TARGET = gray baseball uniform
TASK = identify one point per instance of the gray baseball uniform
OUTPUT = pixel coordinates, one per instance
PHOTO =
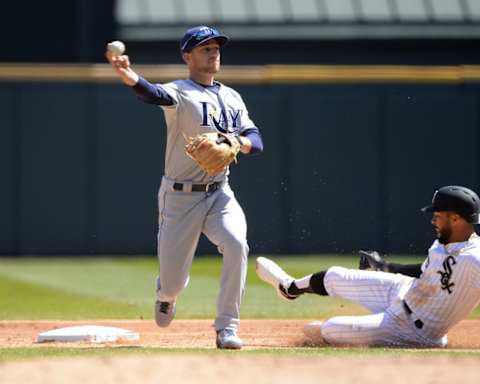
(198, 109)
(408, 311)
(184, 214)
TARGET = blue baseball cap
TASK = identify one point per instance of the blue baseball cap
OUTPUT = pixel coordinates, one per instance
(198, 35)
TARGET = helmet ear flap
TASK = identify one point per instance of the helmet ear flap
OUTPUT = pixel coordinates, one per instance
(474, 219)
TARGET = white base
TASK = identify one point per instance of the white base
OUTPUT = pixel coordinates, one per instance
(90, 333)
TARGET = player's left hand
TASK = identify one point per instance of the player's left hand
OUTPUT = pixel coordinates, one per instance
(371, 260)
(212, 151)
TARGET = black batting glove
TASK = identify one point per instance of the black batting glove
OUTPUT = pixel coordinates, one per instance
(372, 261)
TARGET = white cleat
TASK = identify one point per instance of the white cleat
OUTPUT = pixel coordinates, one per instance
(227, 339)
(270, 272)
(313, 332)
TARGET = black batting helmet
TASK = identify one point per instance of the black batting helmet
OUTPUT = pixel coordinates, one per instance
(457, 199)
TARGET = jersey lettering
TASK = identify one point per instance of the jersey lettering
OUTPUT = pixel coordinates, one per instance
(205, 114)
(218, 126)
(222, 122)
(446, 274)
(235, 117)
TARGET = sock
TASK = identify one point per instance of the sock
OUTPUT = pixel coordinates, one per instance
(304, 282)
(317, 283)
(300, 286)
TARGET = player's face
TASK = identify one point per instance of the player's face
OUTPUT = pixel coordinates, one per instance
(442, 221)
(205, 58)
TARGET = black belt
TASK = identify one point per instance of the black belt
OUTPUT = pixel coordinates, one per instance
(418, 323)
(212, 187)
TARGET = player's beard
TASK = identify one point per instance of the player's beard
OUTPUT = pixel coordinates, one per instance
(444, 234)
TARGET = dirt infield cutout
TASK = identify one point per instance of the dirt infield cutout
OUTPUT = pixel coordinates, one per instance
(200, 333)
(231, 367)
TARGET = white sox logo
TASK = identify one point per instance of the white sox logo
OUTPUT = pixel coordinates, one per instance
(446, 274)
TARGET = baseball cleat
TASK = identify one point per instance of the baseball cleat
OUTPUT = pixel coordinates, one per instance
(270, 272)
(164, 313)
(227, 339)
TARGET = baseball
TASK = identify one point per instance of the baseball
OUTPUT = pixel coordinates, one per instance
(116, 48)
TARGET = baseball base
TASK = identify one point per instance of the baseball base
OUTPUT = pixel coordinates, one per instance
(89, 333)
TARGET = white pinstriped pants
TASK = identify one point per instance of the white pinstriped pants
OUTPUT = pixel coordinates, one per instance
(382, 293)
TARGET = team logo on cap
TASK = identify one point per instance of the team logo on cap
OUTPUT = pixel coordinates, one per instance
(205, 32)
(197, 36)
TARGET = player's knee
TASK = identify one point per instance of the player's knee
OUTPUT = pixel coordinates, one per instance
(235, 246)
(326, 332)
(320, 332)
(329, 331)
(336, 272)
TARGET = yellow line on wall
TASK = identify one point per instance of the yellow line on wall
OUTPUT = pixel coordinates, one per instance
(363, 74)
(266, 74)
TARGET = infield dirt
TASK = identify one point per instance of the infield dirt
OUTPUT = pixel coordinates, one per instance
(200, 333)
(234, 367)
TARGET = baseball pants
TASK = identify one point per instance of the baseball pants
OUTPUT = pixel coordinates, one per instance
(382, 293)
(183, 216)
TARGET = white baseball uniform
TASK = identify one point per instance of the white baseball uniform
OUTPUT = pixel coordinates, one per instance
(408, 312)
(184, 214)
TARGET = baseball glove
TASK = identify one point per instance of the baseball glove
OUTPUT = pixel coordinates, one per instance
(371, 260)
(213, 151)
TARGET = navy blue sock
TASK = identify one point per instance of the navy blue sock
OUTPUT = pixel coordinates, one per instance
(317, 283)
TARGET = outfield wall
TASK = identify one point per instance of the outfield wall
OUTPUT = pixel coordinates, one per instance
(351, 154)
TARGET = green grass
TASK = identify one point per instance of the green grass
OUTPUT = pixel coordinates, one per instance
(25, 353)
(123, 288)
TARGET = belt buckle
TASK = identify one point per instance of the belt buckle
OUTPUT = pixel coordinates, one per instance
(211, 187)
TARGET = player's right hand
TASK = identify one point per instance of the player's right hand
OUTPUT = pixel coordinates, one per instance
(118, 62)
(121, 65)
(371, 260)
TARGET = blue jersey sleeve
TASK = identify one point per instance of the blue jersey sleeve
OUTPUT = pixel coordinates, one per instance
(151, 94)
(255, 138)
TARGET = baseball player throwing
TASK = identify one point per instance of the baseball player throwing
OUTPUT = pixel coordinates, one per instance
(207, 125)
(412, 305)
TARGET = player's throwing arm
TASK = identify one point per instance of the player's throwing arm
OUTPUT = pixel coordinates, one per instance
(121, 63)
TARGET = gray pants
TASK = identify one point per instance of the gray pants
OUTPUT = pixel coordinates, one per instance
(183, 216)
